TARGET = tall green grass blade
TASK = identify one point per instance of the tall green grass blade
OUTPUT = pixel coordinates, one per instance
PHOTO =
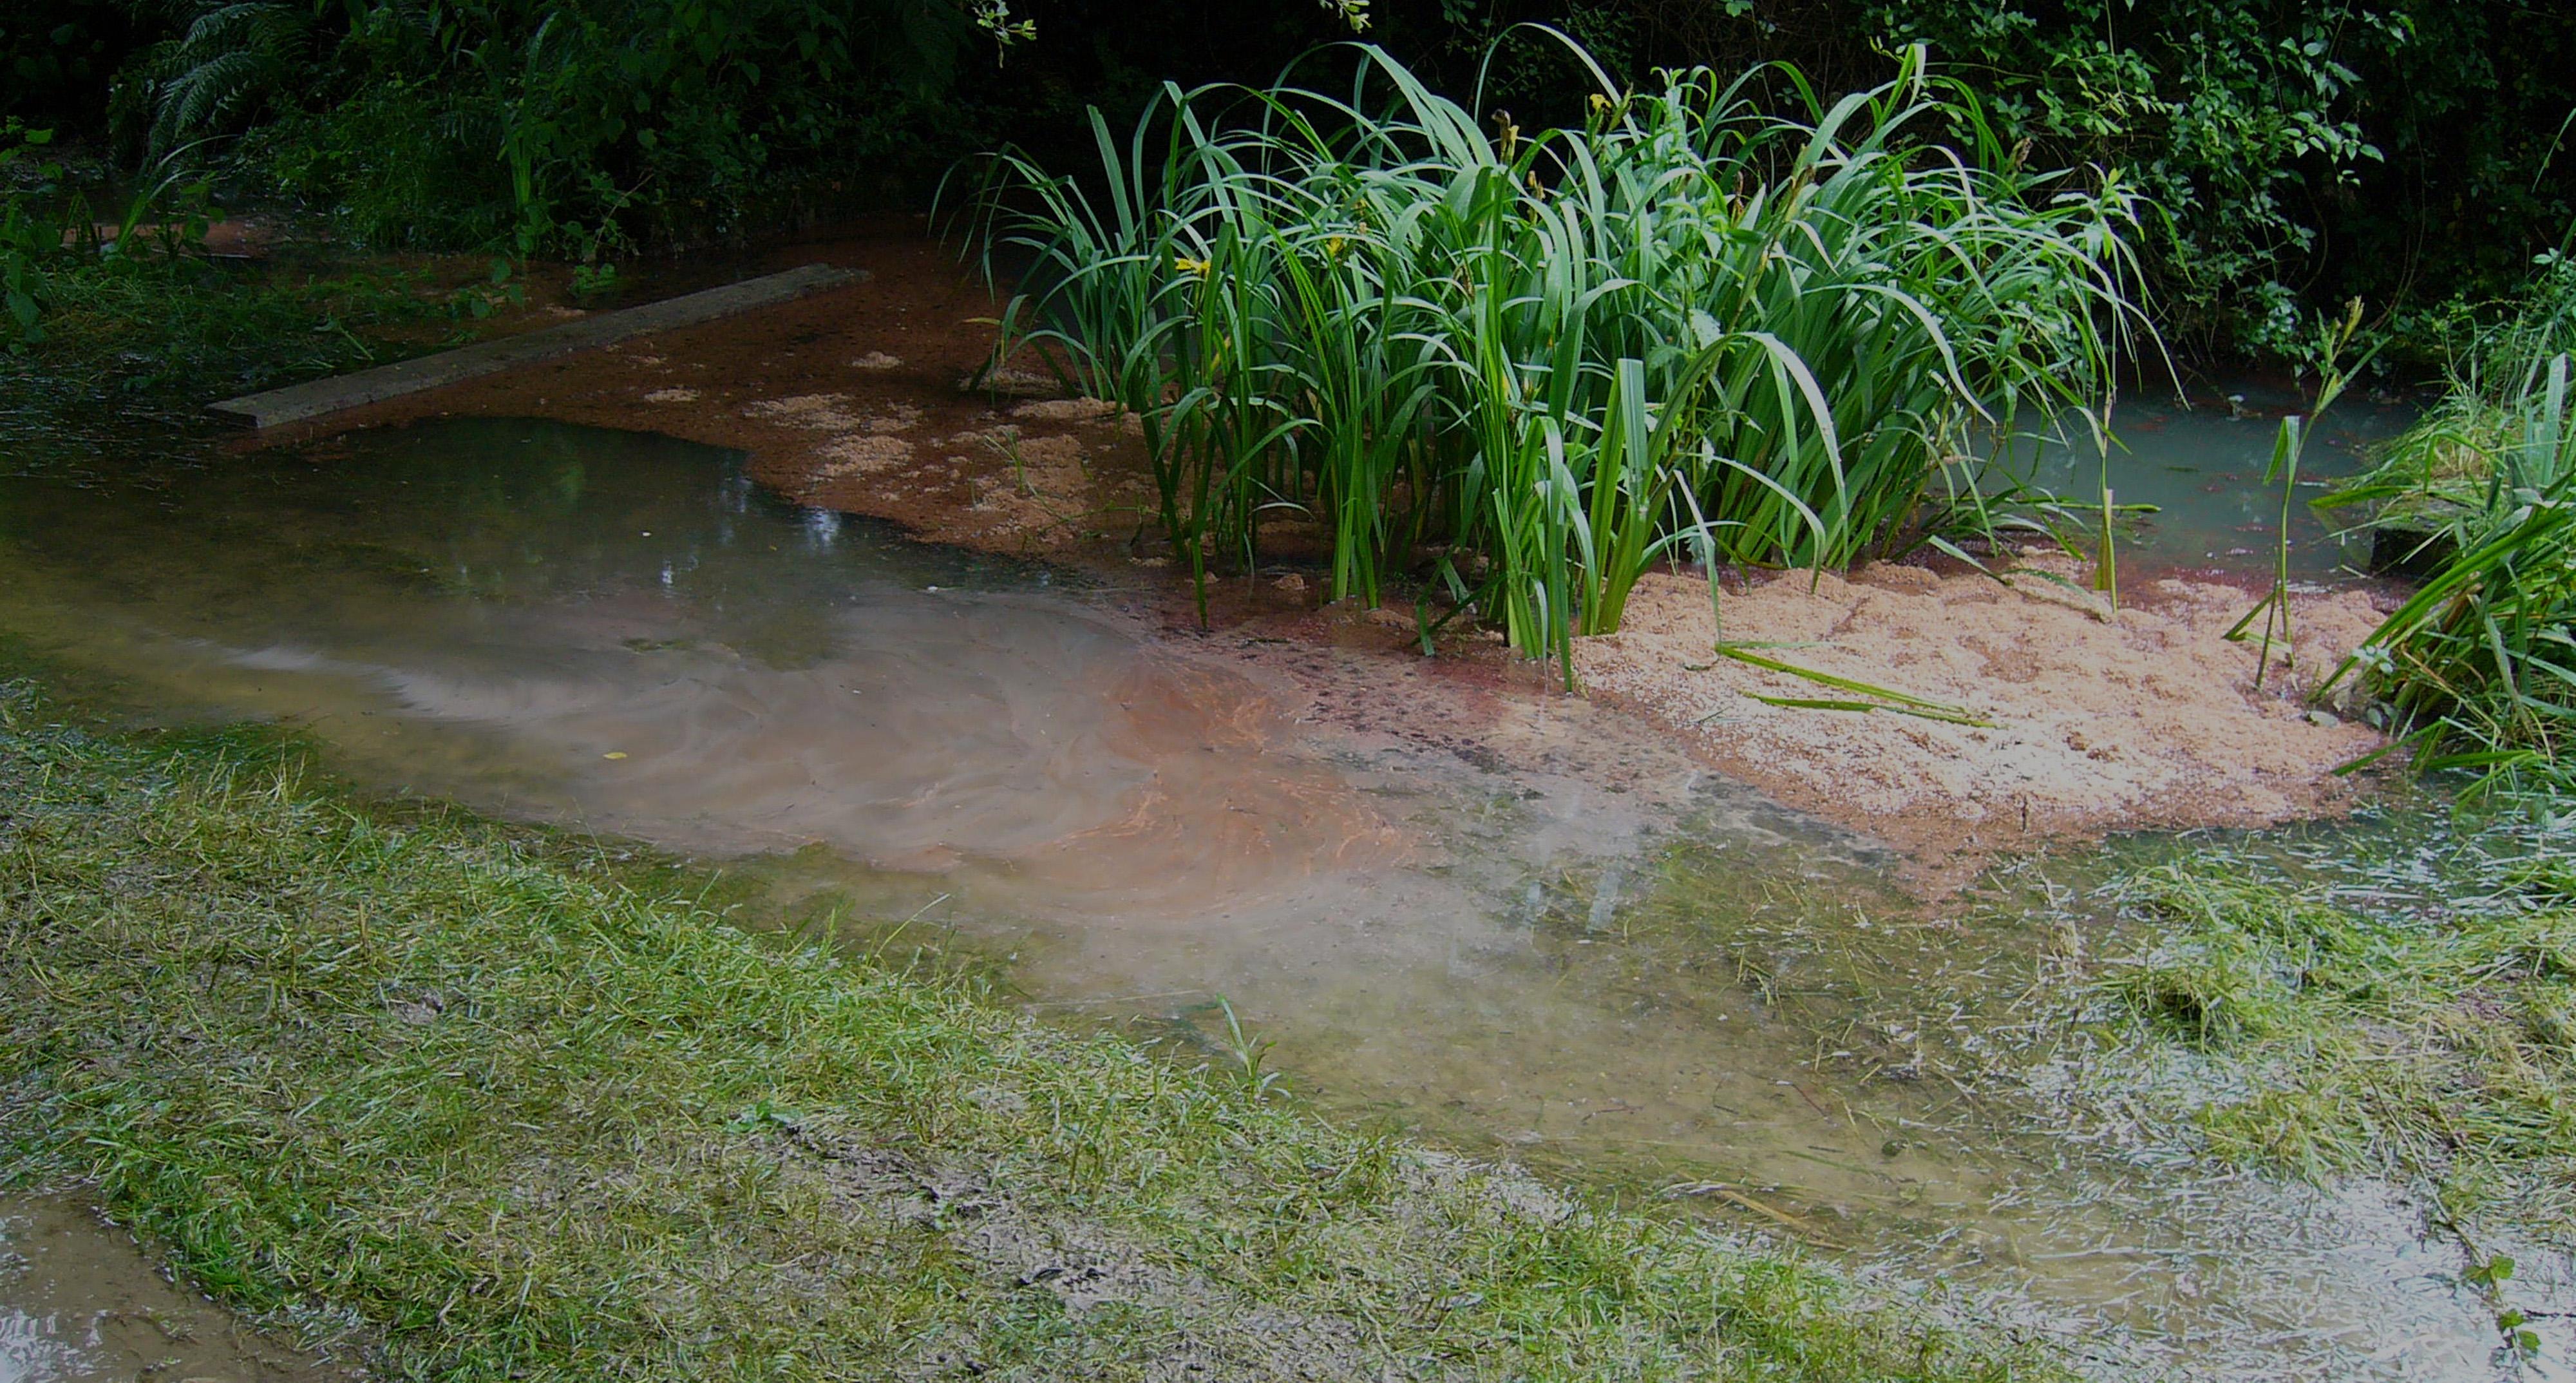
(1689, 327)
(1829, 704)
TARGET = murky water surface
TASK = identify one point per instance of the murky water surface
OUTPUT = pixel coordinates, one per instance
(1643, 976)
(79, 1304)
(2200, 463)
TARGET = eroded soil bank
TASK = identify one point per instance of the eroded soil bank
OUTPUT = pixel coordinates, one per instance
(878, 399)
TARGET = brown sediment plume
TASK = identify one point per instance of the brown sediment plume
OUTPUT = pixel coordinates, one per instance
(859, 399)
(2095, 720)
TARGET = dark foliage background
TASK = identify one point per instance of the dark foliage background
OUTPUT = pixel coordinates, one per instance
(2304, 150)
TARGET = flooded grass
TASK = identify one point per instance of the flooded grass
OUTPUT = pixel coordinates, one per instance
(483, 1097)
(150, 342)
(2316, 1029)
(1986, 1108)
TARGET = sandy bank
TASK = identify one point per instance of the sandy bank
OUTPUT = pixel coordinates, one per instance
(2144, 718)
(850, 399)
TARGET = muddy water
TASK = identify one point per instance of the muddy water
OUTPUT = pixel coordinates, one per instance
(79, 1304)
(1603, 960)
(2199, 463)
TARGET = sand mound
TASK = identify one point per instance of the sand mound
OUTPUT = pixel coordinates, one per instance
(2145, 718)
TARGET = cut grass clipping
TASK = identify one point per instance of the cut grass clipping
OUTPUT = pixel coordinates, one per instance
(451, 1091)
(1684, 329)
(1878, 698)
(2308, 1035)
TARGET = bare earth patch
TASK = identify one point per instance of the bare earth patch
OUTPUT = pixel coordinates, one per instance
(2144, 718)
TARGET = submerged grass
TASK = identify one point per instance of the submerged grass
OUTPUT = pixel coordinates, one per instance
(1540, 363)
(126, 306)
(131, 355)
(460, 1090)
(2310, 1031)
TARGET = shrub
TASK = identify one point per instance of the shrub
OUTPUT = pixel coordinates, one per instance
(557, 126)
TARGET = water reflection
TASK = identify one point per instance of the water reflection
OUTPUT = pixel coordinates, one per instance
(79, 1304)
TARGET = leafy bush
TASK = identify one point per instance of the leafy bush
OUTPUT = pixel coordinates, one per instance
(48, 228)
(27, 239)
(555, 126)
(2308, 150)
(2236, 117)
(1684, 327)
(56, 56)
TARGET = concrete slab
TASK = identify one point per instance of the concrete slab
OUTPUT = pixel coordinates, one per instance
(299, 402)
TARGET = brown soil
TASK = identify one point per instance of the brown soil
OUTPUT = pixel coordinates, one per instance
(852, 400)
(859, 399)
(226, 239)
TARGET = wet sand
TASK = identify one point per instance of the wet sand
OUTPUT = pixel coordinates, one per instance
(2087, 719)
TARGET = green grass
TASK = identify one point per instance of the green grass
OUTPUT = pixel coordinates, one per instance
(2477, 670)
(1533, 364)
(122, 313)
(102, 302)
(193, 330)
(489, 1107)
(2305, 1033)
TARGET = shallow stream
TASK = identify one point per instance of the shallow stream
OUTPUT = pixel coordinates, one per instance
(1627, 971)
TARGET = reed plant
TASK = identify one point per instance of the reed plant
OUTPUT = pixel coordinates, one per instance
(2289, 444)
(2477, 669)
(1690, 327)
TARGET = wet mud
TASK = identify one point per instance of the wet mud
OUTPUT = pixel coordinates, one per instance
(80, 1303)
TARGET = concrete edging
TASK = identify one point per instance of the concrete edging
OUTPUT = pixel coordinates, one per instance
(299, 402)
